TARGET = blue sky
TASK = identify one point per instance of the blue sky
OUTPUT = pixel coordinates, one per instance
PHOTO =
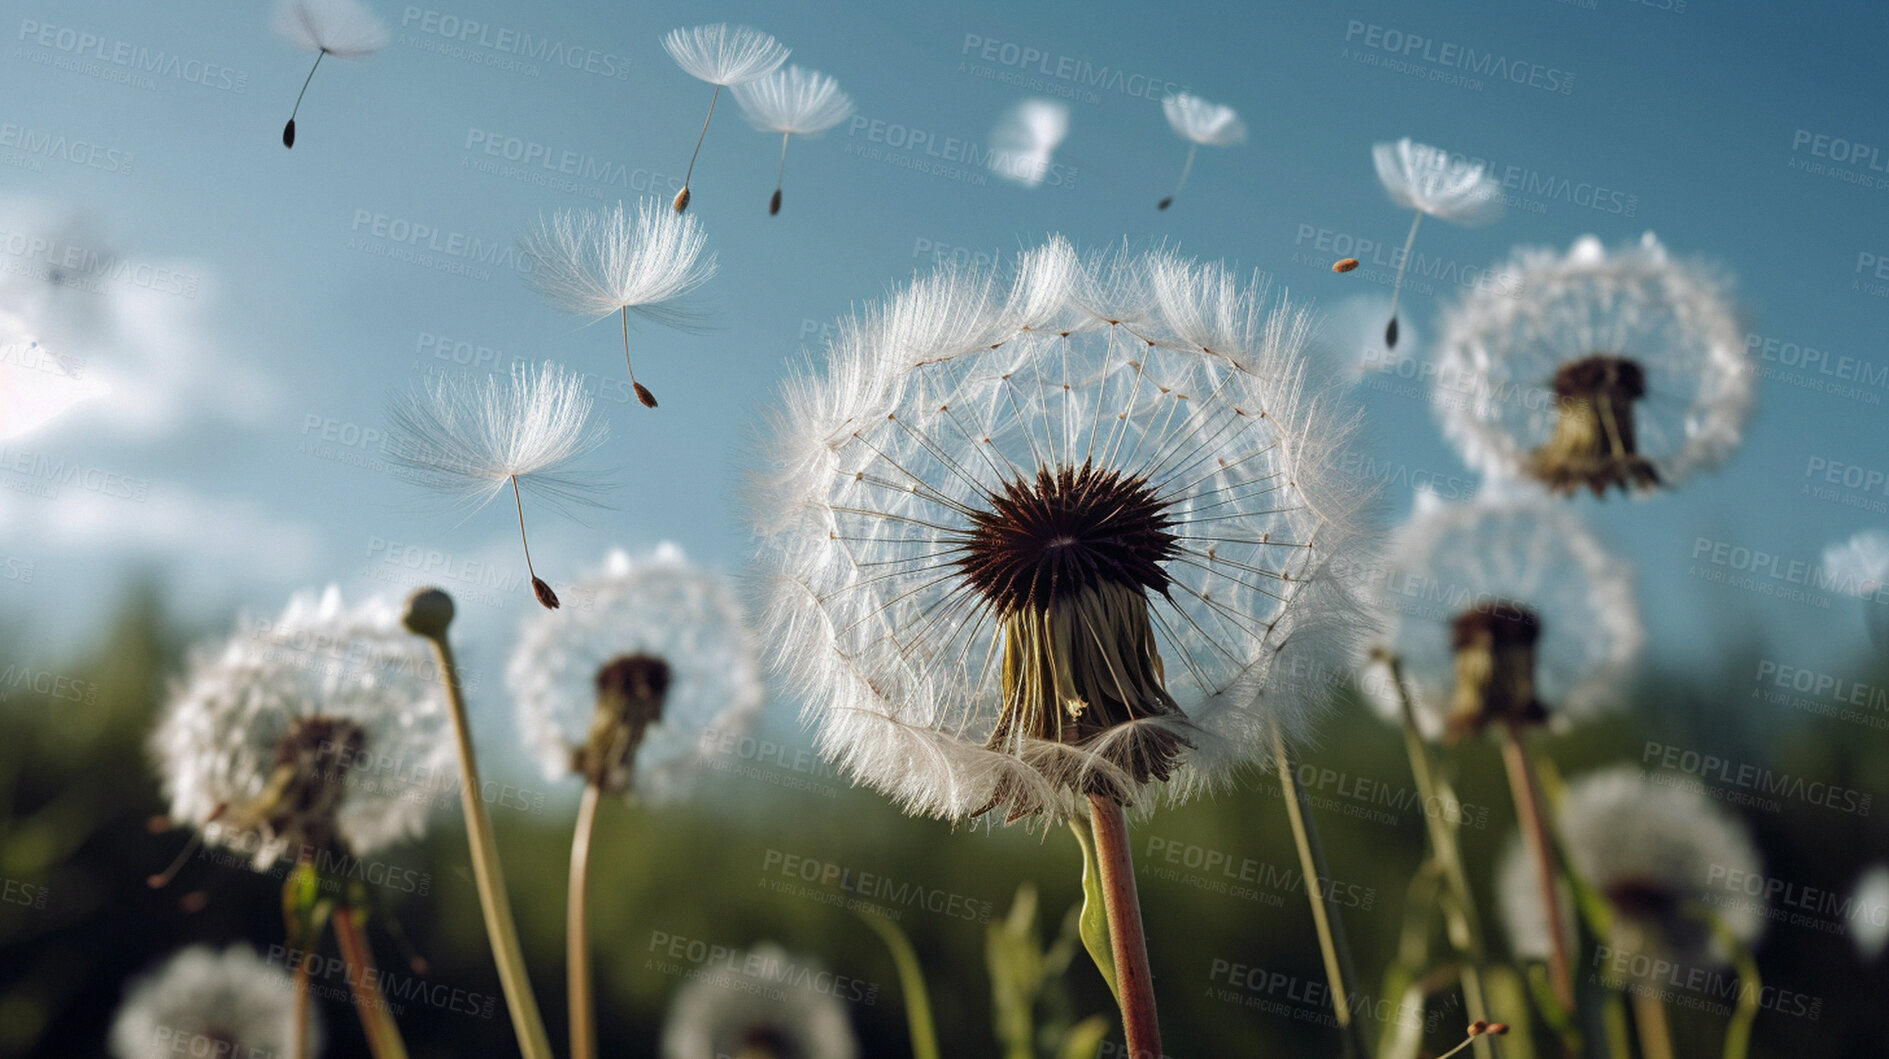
(249, 307)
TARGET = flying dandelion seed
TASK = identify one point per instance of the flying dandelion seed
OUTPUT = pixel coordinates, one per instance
(1025, 139)
(1504, 608)
(1431, 181)
(1199, 123)
(1860, 567)
(592, 263)
(792, 102)
(309, 732)
(658, 607)
(724, 56)
(1344, 264)
(202, 1002)
(708, 1019)
(1651, 850)
(1059, 540)
(1625, 369)
(345, 29)
(471, 437)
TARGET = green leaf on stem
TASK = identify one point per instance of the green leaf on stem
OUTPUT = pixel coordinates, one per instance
(1095, 935)
(911, 985)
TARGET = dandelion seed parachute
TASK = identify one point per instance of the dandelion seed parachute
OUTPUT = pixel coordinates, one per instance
(1199, 123)
(1520, 575)
(708, 1019)
(471, 437)
(213, 1003)
(1130, 438)
(1432, 182)
(345, 29)
(593, 263)
(1651, 850)
(724, 56)
(1595, 369)
(323, 723)
(1024, 142)
(658, 606)
(792, 102)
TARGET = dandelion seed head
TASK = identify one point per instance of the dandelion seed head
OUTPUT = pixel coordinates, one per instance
(342, 695)
(724, 55)
(1504, 561)
(469, 436)
(596, 262)
(709, 1019)
(1198, 121)
(1430, 180)
(1653, 851)
(1128, 436)
(345, 29)
(794, 100)
(660, 607)
(1538, 384)
(223, 1003)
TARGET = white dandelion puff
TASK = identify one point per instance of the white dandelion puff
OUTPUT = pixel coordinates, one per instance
(1057, 537)
(470, 437)
(1869, 912)
(202, 1002)
(773, 1015)
(792, 102)
(1859, 567)
(724, 56)
(1504, 608)
(1432, 182)
(1653, 851)
(1619, 369)
(661, 608)
(1200, 123)
(1023, 143)
(323, 726)
(345, 29)
(593, 263)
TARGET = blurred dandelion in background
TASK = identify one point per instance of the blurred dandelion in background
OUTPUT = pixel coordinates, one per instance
(724, 56)
(792, 102)
(345, 29)
(322, 728)
(1199, 123)
(1503, 608)
(763, 1007)
(1598, 369)
(1435, 183)
(593, 263)
(1024, 141)
(37, 385)
(1859, 567)
(1653, 851)
(659, 607)
(1067, 534)
(1869, 912)
(469, 437)
(205, 1002)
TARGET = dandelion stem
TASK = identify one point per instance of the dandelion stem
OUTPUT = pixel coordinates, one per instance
(1332, 944)
(1524, 790)
(383, 1036)
(519, 501)
(576, 936)
(1186, 168)
(299, 1048)
(625, 313)
(1397, 287)
(700, 138)
(487, 872)
(1464, 932)
(1649, 1021)
(305, 81)
(1115, 864)
(781, 173)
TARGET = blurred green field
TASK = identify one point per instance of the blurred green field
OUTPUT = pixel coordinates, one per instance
(78, 921)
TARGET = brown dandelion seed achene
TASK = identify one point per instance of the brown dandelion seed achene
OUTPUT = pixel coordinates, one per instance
(682, 199)
(1067, 562)
(1345, 264)
(642, 394)
(1594, 442)
(546, 597)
